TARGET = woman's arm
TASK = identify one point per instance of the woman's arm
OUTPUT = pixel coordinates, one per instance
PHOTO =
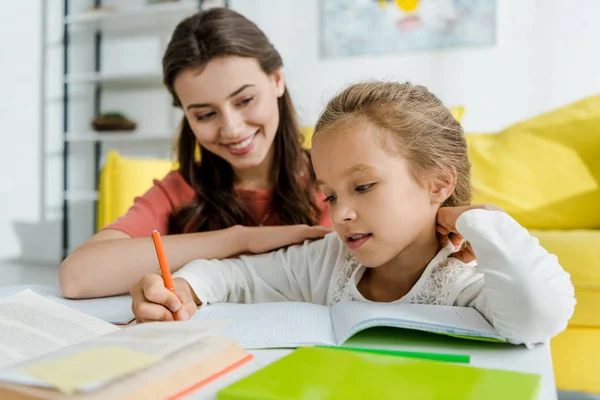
(525, 293)
(111, 261)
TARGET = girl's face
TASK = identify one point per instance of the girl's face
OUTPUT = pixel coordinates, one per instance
(377, 207)
(231, 106)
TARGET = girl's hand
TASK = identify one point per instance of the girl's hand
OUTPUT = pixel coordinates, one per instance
(151, 301)
(267, 238)
(447, 233)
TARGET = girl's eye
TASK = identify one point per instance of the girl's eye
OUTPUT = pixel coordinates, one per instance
(246, 101)
(330, 199)
(205, 117)
(364, 188)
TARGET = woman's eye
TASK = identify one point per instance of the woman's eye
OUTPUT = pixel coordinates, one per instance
(364, 188)
(204, 117)
(330, 199)
(246, 101)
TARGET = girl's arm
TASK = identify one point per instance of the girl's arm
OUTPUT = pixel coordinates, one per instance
(112, 261)
(297, 273)
(525, 293)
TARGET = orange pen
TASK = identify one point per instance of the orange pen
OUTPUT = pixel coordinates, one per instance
(162, 262)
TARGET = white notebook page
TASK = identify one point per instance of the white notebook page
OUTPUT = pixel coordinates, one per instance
(272, 325)
(351, 317)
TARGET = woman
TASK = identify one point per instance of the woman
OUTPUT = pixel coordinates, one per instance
(223, 72)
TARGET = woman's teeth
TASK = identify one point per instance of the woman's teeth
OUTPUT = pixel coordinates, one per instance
(243, 144)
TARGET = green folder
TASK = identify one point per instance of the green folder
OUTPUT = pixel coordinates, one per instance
(327, 374)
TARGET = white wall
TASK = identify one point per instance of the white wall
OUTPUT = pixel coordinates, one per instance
(545, 56)
(31, 114)
(20, 118)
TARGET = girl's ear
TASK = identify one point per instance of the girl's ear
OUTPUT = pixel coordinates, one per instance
(442, 185)
(279, 82)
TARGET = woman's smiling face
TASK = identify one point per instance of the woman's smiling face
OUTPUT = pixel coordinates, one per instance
(232, 108)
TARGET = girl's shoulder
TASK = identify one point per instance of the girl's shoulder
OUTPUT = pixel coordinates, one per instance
(330, 247)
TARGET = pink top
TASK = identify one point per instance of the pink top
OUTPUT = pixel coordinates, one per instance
(153, 209)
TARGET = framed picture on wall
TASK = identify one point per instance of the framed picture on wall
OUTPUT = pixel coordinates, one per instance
(379, 27)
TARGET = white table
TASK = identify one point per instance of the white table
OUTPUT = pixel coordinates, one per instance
(483, 354)
(489, 355)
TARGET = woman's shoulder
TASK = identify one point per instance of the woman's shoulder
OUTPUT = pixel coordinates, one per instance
(151, 210)
(176, 188)
(174, 180)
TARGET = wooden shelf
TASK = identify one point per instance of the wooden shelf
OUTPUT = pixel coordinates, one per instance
(119, 136)
(117, 80)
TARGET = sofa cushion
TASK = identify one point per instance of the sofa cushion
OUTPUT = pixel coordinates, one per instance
(544, 171)
(577, 252)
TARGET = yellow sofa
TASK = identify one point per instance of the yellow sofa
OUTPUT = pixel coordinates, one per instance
(576, 351)
(545, 172)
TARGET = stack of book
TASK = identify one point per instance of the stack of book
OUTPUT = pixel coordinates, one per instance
(50, 351)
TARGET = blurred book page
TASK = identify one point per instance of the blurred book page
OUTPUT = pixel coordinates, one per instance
(31, 325)
(133, 348)
(115, 309)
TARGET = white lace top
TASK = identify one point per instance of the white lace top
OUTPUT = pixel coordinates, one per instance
(439, 284)
(516, 284)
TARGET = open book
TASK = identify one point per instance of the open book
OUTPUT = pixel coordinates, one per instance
(114, 309)
(48, 351)
(291, 324)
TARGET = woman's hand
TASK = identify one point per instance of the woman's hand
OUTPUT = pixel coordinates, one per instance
(152, 301)
(447, 233)
(268, 238)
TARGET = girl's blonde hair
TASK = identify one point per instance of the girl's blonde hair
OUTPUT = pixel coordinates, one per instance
(413, 123)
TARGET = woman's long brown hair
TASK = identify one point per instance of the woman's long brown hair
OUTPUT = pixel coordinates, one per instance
(221, 32)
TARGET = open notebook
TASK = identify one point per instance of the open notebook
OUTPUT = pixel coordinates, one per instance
(292, 324)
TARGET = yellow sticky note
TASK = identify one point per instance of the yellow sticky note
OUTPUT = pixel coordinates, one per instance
(67, 374)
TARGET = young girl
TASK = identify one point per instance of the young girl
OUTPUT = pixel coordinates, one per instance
(393, 164)
(226, 76)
